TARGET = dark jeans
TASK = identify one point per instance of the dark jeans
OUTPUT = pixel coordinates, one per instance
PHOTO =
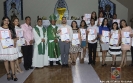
(132, 53)
(92, 49)
(27, 55)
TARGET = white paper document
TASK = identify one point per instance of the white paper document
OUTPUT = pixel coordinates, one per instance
(6, 43)
(105, 33)
(64, 30)
(126, 34)
(91, 37)
(19, 33)
(105, 39)
(21, 42)
(75, 42)
(83, 34)
(65, 37)
(75, 36)
(91, 31)
(4, 34)
(126, 40)
(115, 36)
(113, 41)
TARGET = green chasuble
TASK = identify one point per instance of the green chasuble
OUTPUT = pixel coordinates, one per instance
(53, 48)
(41, 46)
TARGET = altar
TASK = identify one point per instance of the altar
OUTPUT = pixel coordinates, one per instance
(46, 23)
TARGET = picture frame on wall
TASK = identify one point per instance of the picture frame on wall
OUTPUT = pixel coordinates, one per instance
(13, 8)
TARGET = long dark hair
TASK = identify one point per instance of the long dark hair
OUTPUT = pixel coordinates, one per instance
(116, 24)
(13, 21)
(107, 23)
(95, 15)
(85, 25)
(11, 28)
(121, 22)
(76, 24)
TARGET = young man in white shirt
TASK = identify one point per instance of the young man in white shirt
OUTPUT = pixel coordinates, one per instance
(92, 44)
(64, 45)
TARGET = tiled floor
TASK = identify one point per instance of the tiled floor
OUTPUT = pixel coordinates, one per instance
(57, 74)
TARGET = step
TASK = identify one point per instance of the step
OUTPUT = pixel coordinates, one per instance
(118, 58)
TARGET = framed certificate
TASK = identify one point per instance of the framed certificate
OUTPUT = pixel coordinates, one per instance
(91, 37)
(113, 41)
(5, 34)
(126, 34)
(6, 43)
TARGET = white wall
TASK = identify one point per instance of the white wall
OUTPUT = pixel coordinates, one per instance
(77, 8)
(121, 10)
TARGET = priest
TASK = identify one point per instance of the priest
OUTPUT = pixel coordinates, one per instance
(53, 44)
(40, 56)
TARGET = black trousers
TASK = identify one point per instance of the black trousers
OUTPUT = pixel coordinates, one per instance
(132, 53)
(92, 49)
(27, 55)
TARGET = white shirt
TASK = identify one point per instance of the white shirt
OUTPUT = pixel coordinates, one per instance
(69, 28)
(97, 30)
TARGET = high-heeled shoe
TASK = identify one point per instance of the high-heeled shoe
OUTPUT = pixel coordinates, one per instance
(8, 78)
(14, 78)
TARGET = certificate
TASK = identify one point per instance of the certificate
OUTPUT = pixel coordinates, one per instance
(126, 40)
(75, 42)
(91, 37)
(126, 34)
(91, 31)
(4, 34)
(100, 21)
(65, 37)
(19, 33)
(83, 34)
(113, 41)
(21, 42)
(64, 30)
(75, 36)
(6, 43)
(114, 36)
(105, 39)
(105, 33)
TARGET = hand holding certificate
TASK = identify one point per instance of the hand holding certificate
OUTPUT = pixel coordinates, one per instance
(126, 40)
(6, 43)
(21, 42)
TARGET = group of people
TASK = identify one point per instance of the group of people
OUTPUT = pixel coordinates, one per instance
(45, 46)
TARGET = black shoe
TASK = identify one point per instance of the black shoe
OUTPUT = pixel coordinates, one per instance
(15, 79)
(51, 63)
(30, 67)
(8, 78)
(58, 62)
